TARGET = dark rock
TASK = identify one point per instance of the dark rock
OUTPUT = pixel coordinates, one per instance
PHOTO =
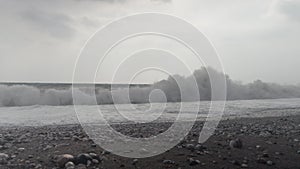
(199, 152)
(83, 159)
(80, 166)
(2, 141)
(236, 143)
(47, 148)
(168, 162)
(95, 156)
(200, 147)
(235, 162)
(260, 148)
(38, 166)
(265, 134)
(193, 162)
(7, 145)
(192, 155)
(75, 138)
(269, 162)
(244, 166)
(105, 152)
(190, 147)
(135, 161)
(261, 160)
(265, 155)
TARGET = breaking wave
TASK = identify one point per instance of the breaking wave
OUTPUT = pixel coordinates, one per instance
(26, 95)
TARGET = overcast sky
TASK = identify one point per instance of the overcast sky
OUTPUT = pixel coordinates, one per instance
(255, 39)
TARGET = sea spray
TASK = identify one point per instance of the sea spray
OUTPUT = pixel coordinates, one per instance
(166, 91)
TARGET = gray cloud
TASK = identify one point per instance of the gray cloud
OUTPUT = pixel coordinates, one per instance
(253, 41)
(122, 1)
(56, 24)
(106, 1)
(290, 9)
(165, 1)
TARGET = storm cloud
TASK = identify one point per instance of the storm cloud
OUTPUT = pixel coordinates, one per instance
(40, 40)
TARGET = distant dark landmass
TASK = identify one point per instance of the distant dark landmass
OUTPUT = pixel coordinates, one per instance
(63, 86)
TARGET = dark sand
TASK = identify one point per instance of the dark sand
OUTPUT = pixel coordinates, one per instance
(271, 142)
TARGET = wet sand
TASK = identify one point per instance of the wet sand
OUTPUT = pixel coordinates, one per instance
(269, 142)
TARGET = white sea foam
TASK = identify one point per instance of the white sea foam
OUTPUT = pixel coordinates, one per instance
(60, 115)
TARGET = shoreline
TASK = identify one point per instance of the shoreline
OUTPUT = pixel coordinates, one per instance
(198, 120)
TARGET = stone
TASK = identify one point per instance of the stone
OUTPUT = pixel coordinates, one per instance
(265, 155)
(83, 159)
(88, 163)
(38, 166)
(265, 134)
(21, 149)
(190, 147)
(7, 145)
(193, 162)
(235, 162)
(105, 152)
(3, 158)
(95, 156)
(2, 141)
(47, 148)
(236, 143)
(80, 166)
(244, 166)
(199, 147)
(61, 160)
(70, 165)
(260, 148)
(135, 161)
(269, 162)
(75, 138)
(95, 161)
(261, 161)
(169, 162)
(143, 151)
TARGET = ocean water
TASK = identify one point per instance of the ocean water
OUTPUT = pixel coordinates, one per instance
(39, 115)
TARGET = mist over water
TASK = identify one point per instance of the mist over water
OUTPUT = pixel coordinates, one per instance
(26, 95)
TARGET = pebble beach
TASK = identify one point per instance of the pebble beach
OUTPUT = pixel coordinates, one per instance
(267, 142)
